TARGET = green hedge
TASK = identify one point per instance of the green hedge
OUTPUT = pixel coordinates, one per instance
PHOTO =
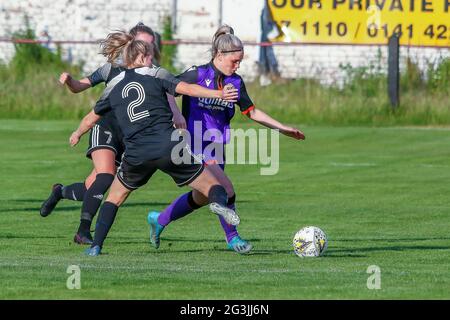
(29, 89)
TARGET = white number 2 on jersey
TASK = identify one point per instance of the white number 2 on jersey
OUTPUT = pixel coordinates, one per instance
(134, 116)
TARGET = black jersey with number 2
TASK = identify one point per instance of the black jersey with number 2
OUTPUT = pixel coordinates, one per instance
(139, 102)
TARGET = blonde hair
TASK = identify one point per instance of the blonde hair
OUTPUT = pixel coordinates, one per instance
(122, 44)
(224, 41)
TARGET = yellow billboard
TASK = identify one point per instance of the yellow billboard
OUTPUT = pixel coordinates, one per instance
(418, 22)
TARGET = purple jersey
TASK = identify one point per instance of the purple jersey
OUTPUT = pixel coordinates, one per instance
(208, 119)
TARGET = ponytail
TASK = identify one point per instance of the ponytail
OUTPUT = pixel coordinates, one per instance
(120, 44)
(224, 41)
(114, 44)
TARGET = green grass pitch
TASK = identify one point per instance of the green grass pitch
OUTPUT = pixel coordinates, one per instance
(382, 195)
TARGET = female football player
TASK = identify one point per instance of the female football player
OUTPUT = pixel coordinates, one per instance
(105, 145)
(209, 114)
(137, 96)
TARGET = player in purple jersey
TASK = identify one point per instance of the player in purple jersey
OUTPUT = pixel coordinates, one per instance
(105, 145)
(137, 96)
(213, 114)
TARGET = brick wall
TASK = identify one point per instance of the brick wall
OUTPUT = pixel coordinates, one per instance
(79, 20)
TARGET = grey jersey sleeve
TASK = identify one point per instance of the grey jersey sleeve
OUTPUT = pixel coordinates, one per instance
(168, 80)
(100, 75)
(111, 84)
(163, 74)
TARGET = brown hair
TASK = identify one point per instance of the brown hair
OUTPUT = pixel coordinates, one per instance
(142, 28)
(121, 44)
(224, 41)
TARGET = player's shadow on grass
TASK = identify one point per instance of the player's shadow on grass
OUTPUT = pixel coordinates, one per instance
(392, 248)
(220, 246)
(217, 245)
(393, 239)
(18, 236)
(396, 246)
(64, 207)
(215, 249)
(124, 240)
(40, 201)
(26, 200)
(37, 209)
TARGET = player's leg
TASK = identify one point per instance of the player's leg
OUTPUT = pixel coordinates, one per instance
(192, 200)
(98, 138)
(208, 185)
(90, 179)
(128, 178)
(196, 176)
(234, 241)
(108, 211)
(180, 207)
(73, 191)
(105, 149)
(215, 160)
(105, 168)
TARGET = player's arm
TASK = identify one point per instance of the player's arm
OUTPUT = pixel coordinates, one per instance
(75, 86)
(86, 124)
(175, 85)
(178, 120)
(248, 109)
(229, 94)
(269, 122)
(101, 107)
(98, 76)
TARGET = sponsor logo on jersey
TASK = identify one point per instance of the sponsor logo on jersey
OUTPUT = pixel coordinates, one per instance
(214, 104)
(229, 86)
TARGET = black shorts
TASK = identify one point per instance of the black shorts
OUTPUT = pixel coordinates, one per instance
(101, 138)
(135, 176)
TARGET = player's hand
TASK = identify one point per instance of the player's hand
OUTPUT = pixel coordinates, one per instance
(64, 78)
(229, 93)
(293, 133)
(74, 139)
(179, 122)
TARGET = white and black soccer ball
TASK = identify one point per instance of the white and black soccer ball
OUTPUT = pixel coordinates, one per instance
(310, 242)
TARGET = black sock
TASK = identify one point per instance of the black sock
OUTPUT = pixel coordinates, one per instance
(93, 199)
(105, 220)
(231, 200)
(85, 226)
(218, 194)
(74, 191)
(192, 202)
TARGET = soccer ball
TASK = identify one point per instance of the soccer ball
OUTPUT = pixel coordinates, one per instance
(310, 242)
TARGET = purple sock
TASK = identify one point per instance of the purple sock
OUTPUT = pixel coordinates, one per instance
(230, 230)
(176, 210)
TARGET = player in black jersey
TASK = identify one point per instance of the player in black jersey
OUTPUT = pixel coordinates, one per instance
(137, 98)
(105, 146)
